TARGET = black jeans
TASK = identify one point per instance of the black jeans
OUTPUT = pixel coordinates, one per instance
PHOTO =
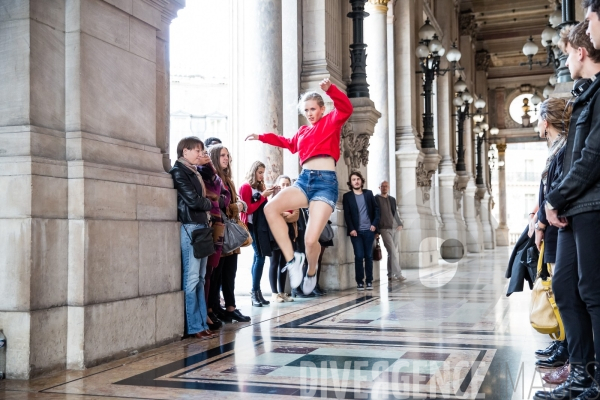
(363, 251)
(576, 288)
(275, 274)
(214, 300)
(228, 266)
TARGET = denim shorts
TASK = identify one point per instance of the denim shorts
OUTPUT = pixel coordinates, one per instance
(319, 185)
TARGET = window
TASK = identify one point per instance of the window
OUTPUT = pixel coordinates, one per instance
(516, 108)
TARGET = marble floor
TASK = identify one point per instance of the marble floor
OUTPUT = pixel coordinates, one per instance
(448, 332)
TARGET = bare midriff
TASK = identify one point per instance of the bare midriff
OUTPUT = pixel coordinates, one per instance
(322, 163)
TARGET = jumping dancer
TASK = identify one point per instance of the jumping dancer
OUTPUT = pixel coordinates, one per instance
(318, 146)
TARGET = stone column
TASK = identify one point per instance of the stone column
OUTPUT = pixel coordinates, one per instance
(262, 64)
(291, 53)
(323, 52)
(34, 228)
(502, 238)
(413, 171)
(338, 261)
(123, 232)
(474, 227)
(482, 196)
(375, 30)
(453, 225)
(391, 137)
(91, 248)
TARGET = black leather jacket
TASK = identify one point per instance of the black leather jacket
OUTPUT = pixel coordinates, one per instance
(191, 203)
(579, 190)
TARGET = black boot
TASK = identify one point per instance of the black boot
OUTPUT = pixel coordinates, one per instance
(317, 291)
(262, 299)
(255, 299)
(577, 382)
(238, 316)
(216, 324)
(298, 293)
(548, 351)
(592, 393)
(558, 359)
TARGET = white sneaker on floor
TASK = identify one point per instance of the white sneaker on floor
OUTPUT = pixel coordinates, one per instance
(276, 298)
(294, 269)
(309, 283)
(286, 297)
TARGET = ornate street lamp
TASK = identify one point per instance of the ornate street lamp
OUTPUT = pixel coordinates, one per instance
(358, 86)
(462, 101)
(550, 38)
(481, 137)
(429, 51)
(530, 49)
(535, 101)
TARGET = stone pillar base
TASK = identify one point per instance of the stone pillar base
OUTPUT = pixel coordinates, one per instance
(474, 228)
(98, 333)
(502, 237)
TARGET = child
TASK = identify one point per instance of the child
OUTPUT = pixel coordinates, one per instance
(318, 146)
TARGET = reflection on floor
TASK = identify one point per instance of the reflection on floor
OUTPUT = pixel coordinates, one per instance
(446, 333)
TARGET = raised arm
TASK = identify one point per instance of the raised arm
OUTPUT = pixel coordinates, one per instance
(280, 141)
(343, 107)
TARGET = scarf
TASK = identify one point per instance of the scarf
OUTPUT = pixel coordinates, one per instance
(558, 144)
(193, 168)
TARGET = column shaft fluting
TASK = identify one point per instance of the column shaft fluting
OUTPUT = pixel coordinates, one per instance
(263, 82)
(376, 40)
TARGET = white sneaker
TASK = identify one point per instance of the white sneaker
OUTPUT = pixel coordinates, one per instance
(294, 269)
(277, 298)
(309, 283)
(286, 297)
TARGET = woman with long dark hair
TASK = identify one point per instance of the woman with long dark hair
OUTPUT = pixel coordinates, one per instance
(221, 160)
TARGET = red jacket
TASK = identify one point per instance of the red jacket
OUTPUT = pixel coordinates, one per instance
(323, 138)
(246, 195)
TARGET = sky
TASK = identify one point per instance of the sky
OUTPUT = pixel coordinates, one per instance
(200, 39)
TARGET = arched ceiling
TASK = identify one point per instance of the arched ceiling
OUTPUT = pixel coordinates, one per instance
(503, 27)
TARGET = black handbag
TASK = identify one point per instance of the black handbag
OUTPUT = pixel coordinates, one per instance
(327, 233)
(202, 242)
(377, 256)
(234, 235)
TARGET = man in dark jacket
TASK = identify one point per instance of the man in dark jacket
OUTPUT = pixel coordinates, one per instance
(361, 213)
(577, 201)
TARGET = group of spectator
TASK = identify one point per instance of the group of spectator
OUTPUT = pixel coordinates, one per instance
(207, 194)
(568, 215)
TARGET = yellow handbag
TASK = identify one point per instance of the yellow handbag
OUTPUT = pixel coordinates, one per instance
(543, 313)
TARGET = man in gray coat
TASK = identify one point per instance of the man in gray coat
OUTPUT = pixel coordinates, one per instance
(389, 234)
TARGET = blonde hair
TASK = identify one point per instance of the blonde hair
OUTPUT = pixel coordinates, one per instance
(309, 96)
(251, 176)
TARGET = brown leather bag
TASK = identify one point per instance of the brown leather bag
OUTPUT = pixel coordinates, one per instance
(377, 251)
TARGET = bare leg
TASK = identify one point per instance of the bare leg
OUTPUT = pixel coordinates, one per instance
(319, 215)
(290, 198)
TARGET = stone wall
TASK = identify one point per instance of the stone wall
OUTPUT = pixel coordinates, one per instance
(88, 227)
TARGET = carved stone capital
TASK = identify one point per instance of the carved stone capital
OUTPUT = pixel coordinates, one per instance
(379, 3)
(354, 148)
(354, 143)
(424, 180)
(482, 60)
(457, 194)
(468, 26)
(501, 148)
